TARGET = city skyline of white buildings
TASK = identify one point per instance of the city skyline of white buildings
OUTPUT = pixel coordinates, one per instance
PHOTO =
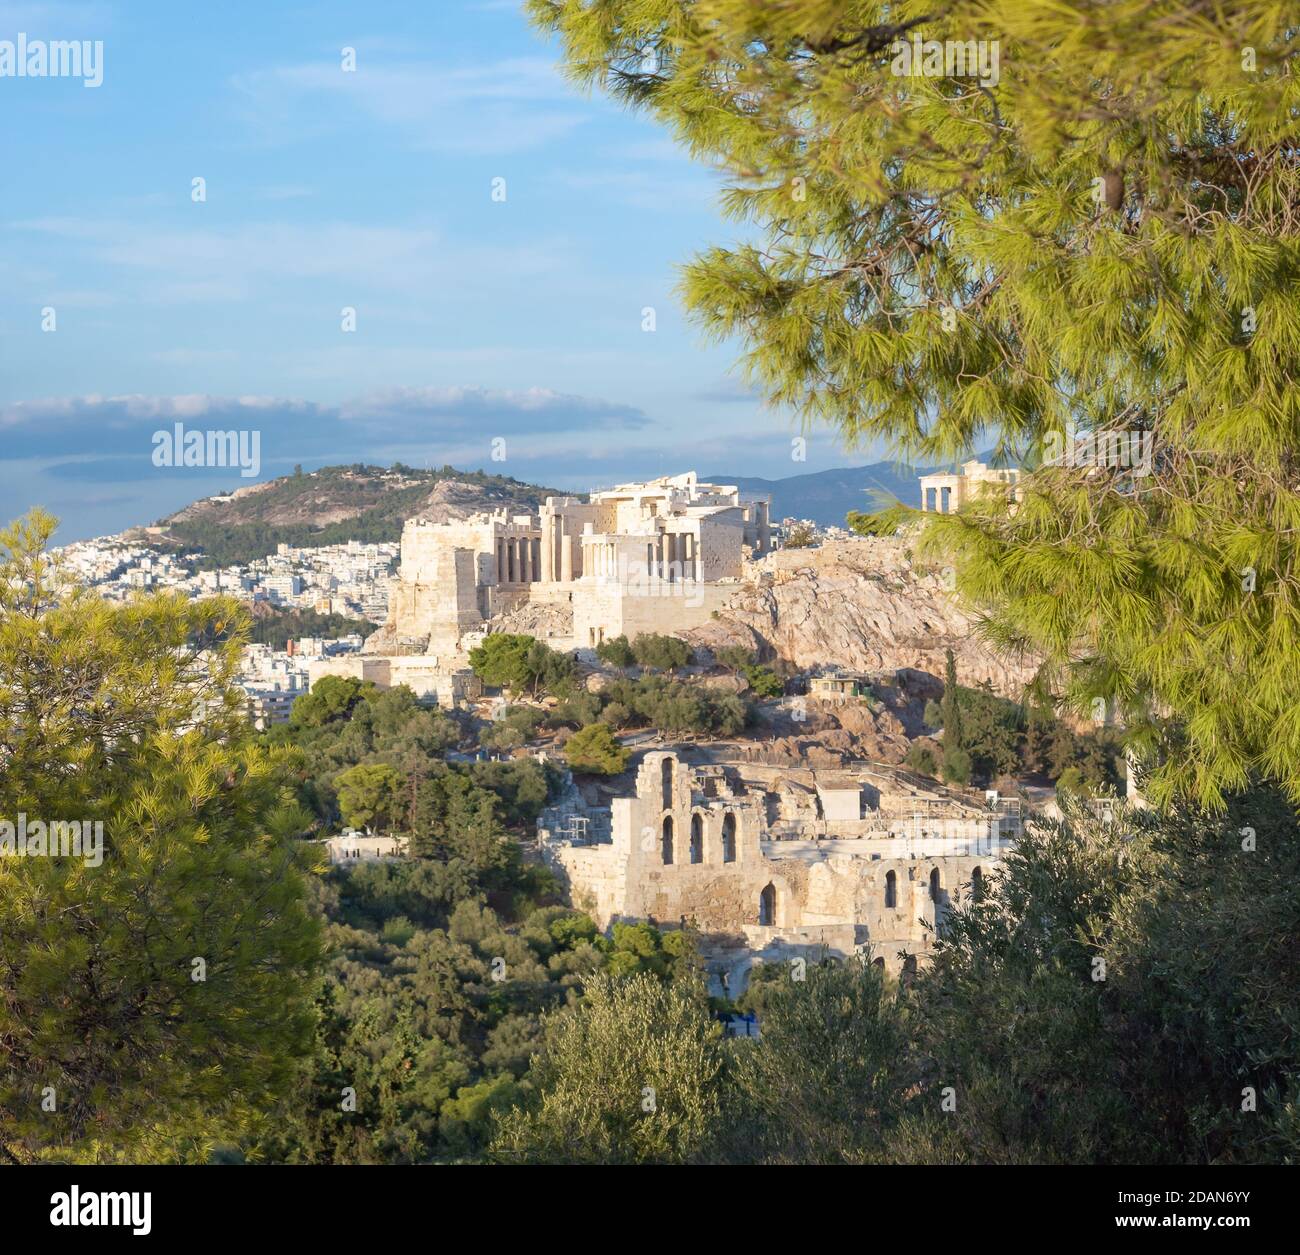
(350, 579)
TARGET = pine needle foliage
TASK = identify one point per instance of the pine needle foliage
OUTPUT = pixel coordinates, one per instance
(1099, 238)
(154, 999)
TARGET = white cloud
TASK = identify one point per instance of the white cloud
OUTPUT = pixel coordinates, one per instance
(533, 405)
(238, 263)
(507, 106)
(91, 426)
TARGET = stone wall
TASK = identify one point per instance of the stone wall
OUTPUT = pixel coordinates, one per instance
(690, 846)
(431, 678)
(454, 577)
(602, 611)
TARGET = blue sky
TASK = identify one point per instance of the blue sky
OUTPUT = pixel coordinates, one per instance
(372, 190)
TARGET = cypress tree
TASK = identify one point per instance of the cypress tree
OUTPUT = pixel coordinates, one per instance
(951, 705)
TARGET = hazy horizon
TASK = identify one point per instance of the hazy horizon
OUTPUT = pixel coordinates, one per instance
(498, 236)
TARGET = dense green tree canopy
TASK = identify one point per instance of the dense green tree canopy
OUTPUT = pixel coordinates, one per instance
(370, 795)
(595, 749)
(1125, 992)
(616, 651)
(428, 1018)
(151, 999)
(342, 723)
(827, 1084)
(520, 663)
(660, 653)
(332, 697)
(629, 1076)
(1118, 992)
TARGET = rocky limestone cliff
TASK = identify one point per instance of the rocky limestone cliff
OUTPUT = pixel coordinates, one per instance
(545, 620)
(858, 604)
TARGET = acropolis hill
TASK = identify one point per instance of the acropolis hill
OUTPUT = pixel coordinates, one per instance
(802, 849)
(650, 557)
(672, 555)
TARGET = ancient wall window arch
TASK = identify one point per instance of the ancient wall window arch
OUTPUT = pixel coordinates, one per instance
(666, 777)
(977, 884)
(697, 838)
(767, 906)
(891, 891)
(936, 885)
(667, 842)
(729, 838)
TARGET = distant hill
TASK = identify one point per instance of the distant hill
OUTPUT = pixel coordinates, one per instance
(331, 506)
(827, 496)
(370, 504)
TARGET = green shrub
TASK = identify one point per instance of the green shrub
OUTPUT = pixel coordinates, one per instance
(594, 750)
(617, 652)
(661, 653)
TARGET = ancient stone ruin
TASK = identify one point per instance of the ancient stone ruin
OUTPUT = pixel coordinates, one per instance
(771, 864)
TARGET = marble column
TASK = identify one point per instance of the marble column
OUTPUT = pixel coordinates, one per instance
(548, 547)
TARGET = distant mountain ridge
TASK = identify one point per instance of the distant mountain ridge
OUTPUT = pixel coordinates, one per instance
(826, 497)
